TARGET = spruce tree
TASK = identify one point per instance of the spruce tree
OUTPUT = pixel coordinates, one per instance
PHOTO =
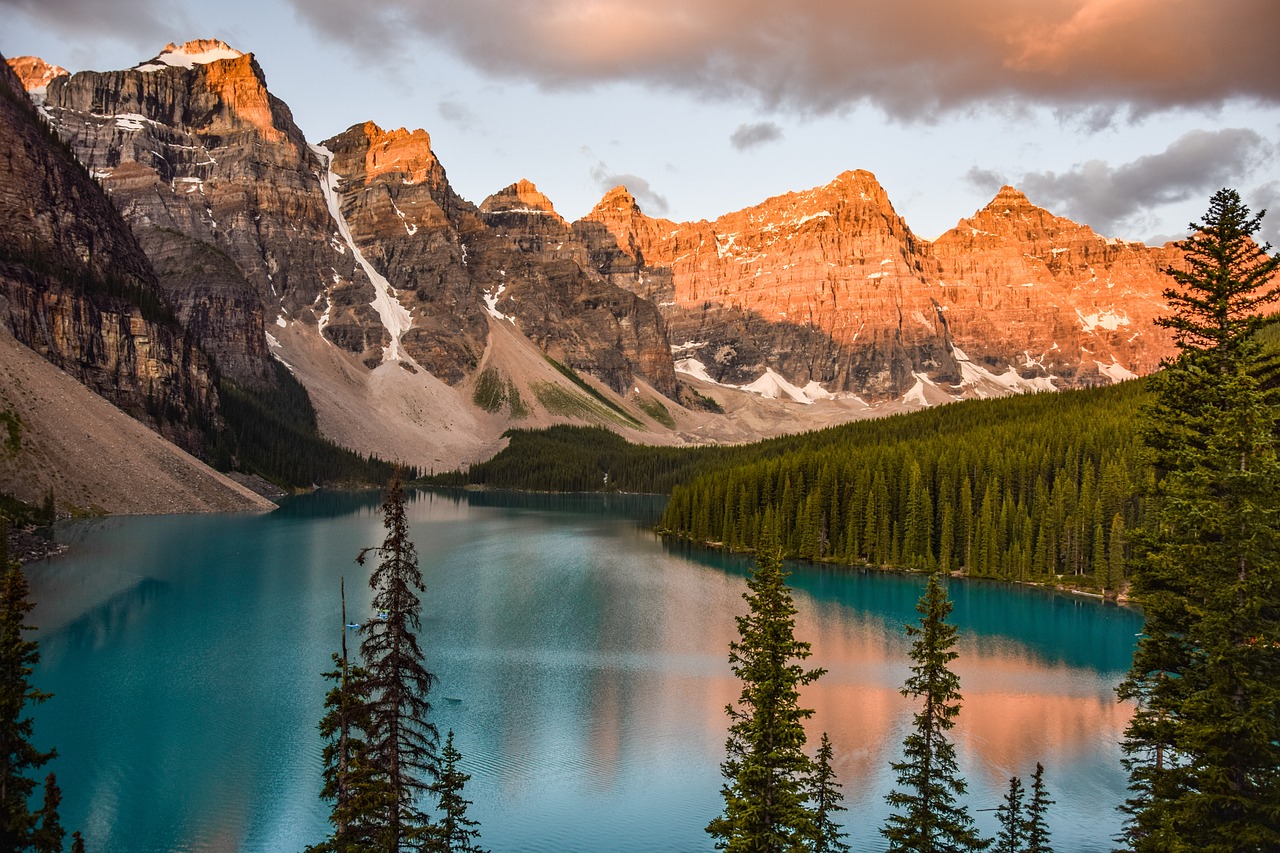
(454, 831)
(824, 800)
(1013, 826)
(1037, 827)
(18, 657)
(401, 739)
(765, 768)
(48, 833)
(926, 818)
(1203, 747)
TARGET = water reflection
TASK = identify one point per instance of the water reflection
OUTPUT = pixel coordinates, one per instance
(587, 659)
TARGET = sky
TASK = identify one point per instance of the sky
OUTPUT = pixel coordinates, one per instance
(1123, 114)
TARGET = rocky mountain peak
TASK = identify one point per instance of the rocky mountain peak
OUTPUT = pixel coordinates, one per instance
(1010, 215)
(195, 52)
(402, 152)
(34, 73)
(521, 197)
(618, 200)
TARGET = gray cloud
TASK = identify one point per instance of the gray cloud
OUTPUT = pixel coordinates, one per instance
(1267, 197)
(1110, 197)
(145, 24)
(748, 136)
(985, 180)
(650, 201)
(457, 113)
(914, 58)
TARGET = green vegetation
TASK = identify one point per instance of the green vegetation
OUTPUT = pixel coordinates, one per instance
(613, 407)
(926, 817)
(653, 408)
(490, 391)
(380, 754)
(13, 432)
(1203, 747)
(21, 829)
(767, 774)
(1021, 488)
(273, 434)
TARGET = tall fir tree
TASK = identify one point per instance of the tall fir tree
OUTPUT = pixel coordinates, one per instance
(455, 832)
(1203, 747)
(1013, 826)
(926, 817)
(18, 756)
(824, 800)
(1037, 809)
(766, 769)
(401, 739)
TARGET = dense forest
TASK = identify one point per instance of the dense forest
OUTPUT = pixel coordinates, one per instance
(274, 435)
(1015, 488)
(1019, 488)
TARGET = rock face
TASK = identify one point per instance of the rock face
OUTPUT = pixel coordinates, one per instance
(361, 237)
(78, 290)
(832, 286)
(454, 266)
(220, 187)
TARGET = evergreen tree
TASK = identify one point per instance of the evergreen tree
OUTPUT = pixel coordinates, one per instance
(824, 799)
(1037, 828)
(359, 794)
(401, 739)
(926, 818)
(1013, 826)
(1203, 747)
(765, 768)
(18, 657)
(454, 832)
(77, 842)
(48, 833)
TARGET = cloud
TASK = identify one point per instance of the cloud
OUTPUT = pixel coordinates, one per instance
(748, 136)
(1110, 197)
(985, 180)
(649, 199)
(145, 24)
(457, 113)
(914, 58)
(1267, 197)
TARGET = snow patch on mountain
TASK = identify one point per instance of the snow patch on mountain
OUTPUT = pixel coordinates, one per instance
(395, 317)
(986, 384)
(189, 55)
(771, 385)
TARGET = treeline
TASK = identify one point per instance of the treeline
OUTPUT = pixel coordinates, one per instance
(274, 434)
(1019, 488)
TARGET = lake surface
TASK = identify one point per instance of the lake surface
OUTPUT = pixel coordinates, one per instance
(588, 660)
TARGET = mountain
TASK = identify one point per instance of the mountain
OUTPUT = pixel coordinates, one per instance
(423, 325)
(78, 289)
(831, 286)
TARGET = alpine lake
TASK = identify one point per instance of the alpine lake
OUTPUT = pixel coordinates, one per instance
(582, 663)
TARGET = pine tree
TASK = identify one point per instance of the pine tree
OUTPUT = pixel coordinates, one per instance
(1013, 826)
(926, 818)
(1203, 747)
(18, 657)
(48, 833)
(401, 739)
(454, 832)
(77, 842)
(359, 796)
(1037, 828)
(824, 800)
(765, 768)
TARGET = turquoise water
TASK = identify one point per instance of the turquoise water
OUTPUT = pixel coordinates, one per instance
(587, 658)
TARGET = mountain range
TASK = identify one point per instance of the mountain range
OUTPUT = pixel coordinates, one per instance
(423, 325)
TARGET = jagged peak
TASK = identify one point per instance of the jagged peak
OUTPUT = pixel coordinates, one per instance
(618, 199)
(189, 54)
(376, 135)
(35, 73)
(521, 197)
